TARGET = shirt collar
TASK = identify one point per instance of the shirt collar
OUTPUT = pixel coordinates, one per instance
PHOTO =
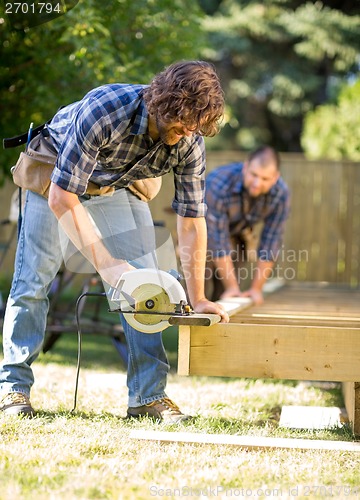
(239, 184)
(140, 119)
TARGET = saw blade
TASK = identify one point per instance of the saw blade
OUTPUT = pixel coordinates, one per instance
(152, 298)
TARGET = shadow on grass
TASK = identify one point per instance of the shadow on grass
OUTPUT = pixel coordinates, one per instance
(266, 428)
(241, 427)
(68, 414)
(98, 351)
(205, 425)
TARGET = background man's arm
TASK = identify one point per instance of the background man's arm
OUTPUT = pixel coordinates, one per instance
(261, 274)
(225, 272)
(227, 275)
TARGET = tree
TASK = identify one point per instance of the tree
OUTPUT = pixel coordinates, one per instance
(333, 131)
(98, 41)
(277, 60)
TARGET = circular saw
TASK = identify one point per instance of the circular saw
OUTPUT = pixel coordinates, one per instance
(148, 298)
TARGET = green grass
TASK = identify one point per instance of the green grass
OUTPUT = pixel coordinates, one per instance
(98, 350)
(90, 455)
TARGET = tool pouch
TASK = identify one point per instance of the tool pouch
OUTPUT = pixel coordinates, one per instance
(251, 241)
(146, 189)
(34, 166)
(247, 239)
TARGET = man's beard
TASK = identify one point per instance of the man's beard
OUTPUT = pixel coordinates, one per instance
(167, 135)
(255, 194)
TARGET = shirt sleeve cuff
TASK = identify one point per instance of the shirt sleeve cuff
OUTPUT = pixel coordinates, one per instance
(68, 182)
(186, 210)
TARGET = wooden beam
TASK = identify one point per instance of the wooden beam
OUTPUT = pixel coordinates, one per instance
(275, 351)
(356, 426)
(348, 390)
(311, 317)
(232, 306)
(184, 349)
(246, 442)
(195, 320)
(351, 394)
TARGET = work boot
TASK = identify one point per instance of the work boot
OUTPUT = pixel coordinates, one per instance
(162, 409)
(16, 403)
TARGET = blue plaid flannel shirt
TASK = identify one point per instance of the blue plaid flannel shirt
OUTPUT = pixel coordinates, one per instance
(104, 138)
(224, 199)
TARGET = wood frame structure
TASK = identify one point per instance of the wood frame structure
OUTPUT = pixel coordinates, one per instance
(301, 332)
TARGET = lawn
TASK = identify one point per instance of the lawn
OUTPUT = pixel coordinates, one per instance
(89, 454)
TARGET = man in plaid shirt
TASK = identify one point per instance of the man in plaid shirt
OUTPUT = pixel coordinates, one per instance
(115, 135)
(239, 196)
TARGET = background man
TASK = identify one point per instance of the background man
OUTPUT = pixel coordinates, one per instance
(239, 196)
(116, 134)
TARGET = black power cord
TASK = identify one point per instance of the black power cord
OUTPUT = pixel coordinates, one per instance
(77, 316)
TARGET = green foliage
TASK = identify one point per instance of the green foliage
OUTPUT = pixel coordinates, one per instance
(333, 131)
(277, 59)
(98, 41)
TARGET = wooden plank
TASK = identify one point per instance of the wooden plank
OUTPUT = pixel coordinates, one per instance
(184, 351)
(301, 304)
(351, 394)
(348, 390)
(326, 235)
(246, 442)
(310, 417)
(299, 322)
(231, 306)
(195, 320)
(301, 210)
(319, 317)
(310, 297)
(347, 228)
(276, 351)
(356, 426)
(298, 319)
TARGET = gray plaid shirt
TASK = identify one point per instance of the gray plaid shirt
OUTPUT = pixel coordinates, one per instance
(104, 138)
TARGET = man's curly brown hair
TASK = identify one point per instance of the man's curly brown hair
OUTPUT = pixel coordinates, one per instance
(188, 92)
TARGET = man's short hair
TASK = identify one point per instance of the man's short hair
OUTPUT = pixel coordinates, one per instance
(265, 155)
(188, 92)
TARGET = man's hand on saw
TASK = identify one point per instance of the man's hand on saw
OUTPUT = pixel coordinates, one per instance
(206, 306)
(112, 273)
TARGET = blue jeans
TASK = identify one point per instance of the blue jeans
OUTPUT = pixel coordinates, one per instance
(127, 230)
